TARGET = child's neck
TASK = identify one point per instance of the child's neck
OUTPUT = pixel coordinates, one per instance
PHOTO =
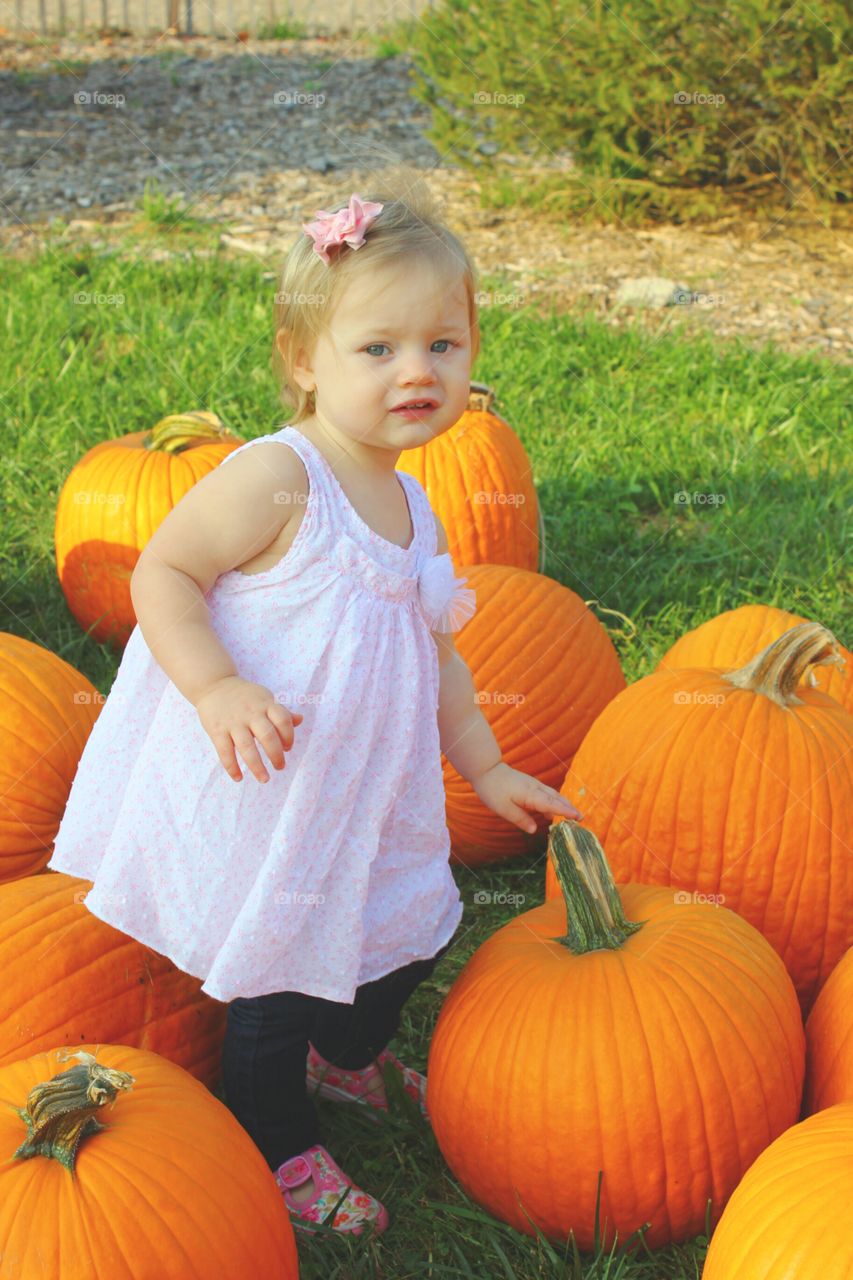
(374, 460)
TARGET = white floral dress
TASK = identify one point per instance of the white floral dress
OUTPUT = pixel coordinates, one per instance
(335, 871)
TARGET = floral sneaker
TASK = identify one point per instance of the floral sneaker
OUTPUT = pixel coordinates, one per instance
(348, 1208)
(341, 1085)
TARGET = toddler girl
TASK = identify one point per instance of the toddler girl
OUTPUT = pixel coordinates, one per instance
(301, 599)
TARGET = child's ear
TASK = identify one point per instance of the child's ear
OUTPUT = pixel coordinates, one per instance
(302, 372)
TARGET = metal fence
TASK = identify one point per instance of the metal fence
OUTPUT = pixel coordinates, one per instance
(209, 17)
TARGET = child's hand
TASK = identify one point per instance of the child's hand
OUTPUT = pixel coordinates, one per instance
(234, 712)
(511, 794)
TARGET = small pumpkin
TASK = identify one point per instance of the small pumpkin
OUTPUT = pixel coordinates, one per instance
(112, 501)
(734, 784)
(829, 1040)
(69, 976)
(615, 1031)
(544, 667)
(49, 709)
(479, 481)
(732, 638)
(122, 1164)
(790, 1217)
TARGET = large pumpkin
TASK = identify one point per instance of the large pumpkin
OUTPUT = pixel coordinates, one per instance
(48, 709)
(544, 667)
(664, 1050)
(829, 1040)
(479, 481)
(790, 1217)
(122, 1165)
(733, 637)
(737, 785)
(111, 503)
(67, 976)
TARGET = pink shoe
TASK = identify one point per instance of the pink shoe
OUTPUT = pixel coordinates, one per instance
(351, 1086)
(335, 1196)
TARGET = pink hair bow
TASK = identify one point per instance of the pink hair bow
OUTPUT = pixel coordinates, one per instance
(347, 226)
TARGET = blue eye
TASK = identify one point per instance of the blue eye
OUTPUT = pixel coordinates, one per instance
(443, 341)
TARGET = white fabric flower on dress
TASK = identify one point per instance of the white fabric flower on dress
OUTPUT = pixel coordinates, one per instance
(447, 603)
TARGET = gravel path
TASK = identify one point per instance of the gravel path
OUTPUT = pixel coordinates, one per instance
(258, 134)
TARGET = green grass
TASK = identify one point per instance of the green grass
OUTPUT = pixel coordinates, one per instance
(615, 422)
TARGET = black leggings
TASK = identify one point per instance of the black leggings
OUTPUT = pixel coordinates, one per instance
(266, 1046)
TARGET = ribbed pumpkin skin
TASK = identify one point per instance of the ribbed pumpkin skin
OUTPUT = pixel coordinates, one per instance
(730, 639)
(790, 1217)
(744, 798)
(175, 1189)
(480, 454)
(669, 1064)
(68, 977)
(544, 667)
(112, 501)
(829, 1041)
(48, 709)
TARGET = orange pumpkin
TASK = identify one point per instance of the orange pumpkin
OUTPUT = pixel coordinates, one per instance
(736, 784)
(544, 667)
(733, 637)
(48, 712)
(111, 503)
(479, 481)
(829, 1040)
(790, 1217)
(68, 976)
(121, 1164)
(664, 1050)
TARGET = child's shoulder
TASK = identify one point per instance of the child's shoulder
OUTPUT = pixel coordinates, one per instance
(269, 456)
(249, 500)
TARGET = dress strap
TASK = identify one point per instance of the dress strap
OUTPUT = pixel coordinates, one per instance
(422, 515)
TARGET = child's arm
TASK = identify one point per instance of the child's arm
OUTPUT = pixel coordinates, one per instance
(472, 748)
(229, 516)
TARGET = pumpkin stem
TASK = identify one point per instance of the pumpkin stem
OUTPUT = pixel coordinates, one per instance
(180, 431)
(779, 668)
(594, 914)
(480, 398)
(59, 1112)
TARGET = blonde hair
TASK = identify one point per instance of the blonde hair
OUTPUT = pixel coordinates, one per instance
(410, 225)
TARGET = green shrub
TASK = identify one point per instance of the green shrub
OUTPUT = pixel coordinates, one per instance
(671, 109)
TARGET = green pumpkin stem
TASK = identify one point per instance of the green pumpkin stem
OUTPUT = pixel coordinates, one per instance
(779, 668)
(180, 431)
(594, 914)
(60, 1112)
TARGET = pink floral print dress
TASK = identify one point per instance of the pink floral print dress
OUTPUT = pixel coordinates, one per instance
(335, 871)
